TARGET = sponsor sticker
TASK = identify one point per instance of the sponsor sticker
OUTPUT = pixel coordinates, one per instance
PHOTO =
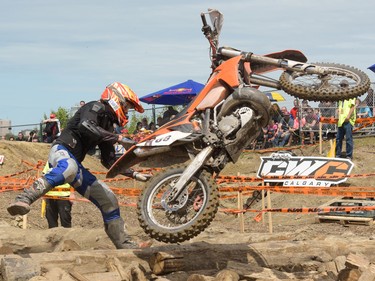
(319, 171)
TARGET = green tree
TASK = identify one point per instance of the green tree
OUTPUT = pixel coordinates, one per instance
(132, 123)
(63, 115)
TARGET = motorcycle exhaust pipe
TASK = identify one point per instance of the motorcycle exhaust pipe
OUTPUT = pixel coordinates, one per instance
(149, 151)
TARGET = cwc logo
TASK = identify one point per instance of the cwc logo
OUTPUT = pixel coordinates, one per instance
(317, 170)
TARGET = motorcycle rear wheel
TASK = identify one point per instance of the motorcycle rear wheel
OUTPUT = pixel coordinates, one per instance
(196, 214)
(325, 87)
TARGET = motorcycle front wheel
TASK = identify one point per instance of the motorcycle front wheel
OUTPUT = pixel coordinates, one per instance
(178, 221)
(325, 87)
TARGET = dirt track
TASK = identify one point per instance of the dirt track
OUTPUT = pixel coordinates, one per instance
(224, 228)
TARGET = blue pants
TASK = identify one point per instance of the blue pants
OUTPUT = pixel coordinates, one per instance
(345, 130)
(66, 169)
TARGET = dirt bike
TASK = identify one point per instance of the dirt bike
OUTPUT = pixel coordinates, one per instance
(180, 201)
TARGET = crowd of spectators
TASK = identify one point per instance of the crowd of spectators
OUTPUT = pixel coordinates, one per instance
(300, 124)
(31, 137)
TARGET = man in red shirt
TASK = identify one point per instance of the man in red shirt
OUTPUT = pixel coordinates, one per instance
(294, 110)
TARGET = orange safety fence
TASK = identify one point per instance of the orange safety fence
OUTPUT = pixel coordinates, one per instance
(303, 210)
(367, 121)
(10, 183)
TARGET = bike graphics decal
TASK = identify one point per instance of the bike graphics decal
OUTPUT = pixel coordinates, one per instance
(319, 171)
(165, 139)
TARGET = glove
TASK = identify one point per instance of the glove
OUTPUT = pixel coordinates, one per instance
(141, 177)
(126, 142)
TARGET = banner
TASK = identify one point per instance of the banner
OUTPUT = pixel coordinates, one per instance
(318, 171)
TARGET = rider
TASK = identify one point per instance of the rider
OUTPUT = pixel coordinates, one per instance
(91, 126)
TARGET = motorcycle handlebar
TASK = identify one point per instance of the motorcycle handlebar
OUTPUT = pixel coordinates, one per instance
(206, 29)
(203, 17)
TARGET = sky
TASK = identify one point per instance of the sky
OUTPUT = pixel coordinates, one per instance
(55, 53)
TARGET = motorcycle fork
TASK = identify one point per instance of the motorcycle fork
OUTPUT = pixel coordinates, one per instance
(193, 167)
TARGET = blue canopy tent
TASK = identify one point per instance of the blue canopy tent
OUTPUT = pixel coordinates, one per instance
(178, 94)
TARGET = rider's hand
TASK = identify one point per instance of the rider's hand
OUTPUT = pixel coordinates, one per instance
(126, 142)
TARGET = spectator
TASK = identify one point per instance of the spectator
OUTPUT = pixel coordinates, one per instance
(327, 110)
(152, 127)
(370, 100)
(294, 111)
(35, 138)
(20, 137)
(295, 131)
(138, 128)
(82, 103)
(169, 114)
(276, 113)
(145, 123)
(346, 120)
(311, 124)
(284, 110)
(159, 122)
(31, 135)
(269, 134)
(52, 128)
(283, 133)
(56, 208)
(363, 110)
(305, 107)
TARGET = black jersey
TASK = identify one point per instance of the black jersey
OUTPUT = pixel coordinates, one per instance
(91, 126)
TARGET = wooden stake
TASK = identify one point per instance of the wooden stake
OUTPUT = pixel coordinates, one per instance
(320, 138)
(270, 226)
(240, 215)
(263, 205)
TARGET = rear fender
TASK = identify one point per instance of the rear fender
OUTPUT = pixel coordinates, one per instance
(259, 68)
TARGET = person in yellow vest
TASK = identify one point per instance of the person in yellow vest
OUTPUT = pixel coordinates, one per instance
(346, 120)
(56, 208)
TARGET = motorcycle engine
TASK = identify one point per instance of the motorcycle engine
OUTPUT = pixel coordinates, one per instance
(231, 123)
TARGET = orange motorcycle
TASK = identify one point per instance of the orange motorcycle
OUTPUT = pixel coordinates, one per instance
(181, 200)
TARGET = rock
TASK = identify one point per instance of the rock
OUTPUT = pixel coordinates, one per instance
(356, 261)
(20, 269)
(340, 263)
(56, 273)
(349, 274)
(227, 275)
(67, 245)
(5, 250)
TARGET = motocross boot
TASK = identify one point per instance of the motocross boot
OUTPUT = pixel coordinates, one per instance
(116, 232)
(22, 203)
